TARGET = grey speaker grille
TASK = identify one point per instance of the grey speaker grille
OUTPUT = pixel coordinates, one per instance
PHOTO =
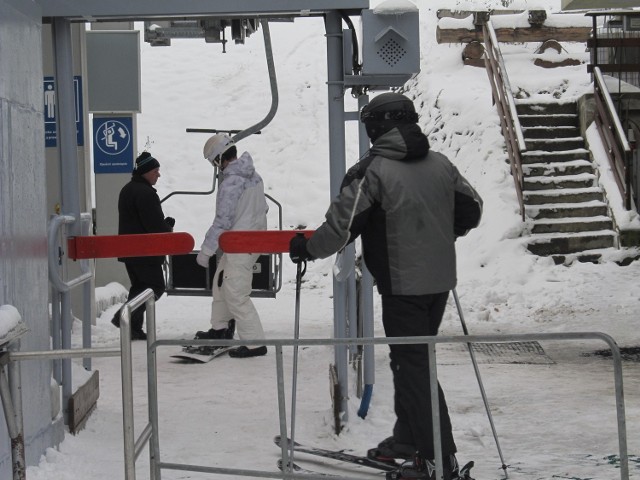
(391, 52)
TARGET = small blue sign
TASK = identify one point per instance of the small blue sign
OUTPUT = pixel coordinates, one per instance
(112, 145)
(51, 107)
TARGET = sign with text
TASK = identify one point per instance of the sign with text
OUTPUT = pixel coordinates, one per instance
(112, 144)
(51, 107)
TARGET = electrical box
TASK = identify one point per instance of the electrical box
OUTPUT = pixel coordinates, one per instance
(390, 41)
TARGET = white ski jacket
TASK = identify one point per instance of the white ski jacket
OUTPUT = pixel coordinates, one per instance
(240, 202)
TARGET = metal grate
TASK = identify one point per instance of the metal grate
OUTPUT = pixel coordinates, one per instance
(512, 352)
(507, 353)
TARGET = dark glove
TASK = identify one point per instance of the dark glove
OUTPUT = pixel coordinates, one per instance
(298, 252)
(170, 221)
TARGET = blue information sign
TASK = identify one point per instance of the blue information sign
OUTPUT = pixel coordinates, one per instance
(51, 107)
(112, 144)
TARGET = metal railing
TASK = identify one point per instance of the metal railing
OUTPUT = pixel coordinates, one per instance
(613, 138)
(150, 433)
(506, 105)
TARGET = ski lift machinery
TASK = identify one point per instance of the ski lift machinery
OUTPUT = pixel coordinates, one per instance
(183, 275)
(390, 56)
(387, 57)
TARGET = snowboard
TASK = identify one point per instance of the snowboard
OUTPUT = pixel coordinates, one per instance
(259, 241)
(135, 245)
(196, 354)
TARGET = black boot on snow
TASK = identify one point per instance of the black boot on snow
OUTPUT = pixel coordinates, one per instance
(424, 469)
(245, 352)
(230, 330)
(213, 334)
(389, 449)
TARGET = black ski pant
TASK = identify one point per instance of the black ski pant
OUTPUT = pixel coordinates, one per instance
(143, 276)
(408, 316)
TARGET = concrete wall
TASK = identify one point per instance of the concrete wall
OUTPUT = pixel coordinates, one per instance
(23, 218)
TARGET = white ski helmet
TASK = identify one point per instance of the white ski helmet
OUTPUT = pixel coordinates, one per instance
(216, 146)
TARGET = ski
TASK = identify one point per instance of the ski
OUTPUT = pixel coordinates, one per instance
(341, 456)
(299, 469)
(200, 354)
(392, 470)
(259, 241)
(463, 473)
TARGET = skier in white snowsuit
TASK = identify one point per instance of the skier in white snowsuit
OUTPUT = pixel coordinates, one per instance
(240, 205)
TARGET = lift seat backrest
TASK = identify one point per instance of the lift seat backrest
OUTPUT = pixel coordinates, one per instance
(185, 277)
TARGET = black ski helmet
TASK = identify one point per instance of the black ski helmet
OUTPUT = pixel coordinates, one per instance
(387, 111)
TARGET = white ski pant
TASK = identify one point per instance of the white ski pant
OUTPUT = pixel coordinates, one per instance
(231, 292)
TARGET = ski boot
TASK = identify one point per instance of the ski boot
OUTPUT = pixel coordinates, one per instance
(211, 334)
(424, 469)
(388, 450)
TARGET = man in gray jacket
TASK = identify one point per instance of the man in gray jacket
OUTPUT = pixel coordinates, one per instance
(409, 204)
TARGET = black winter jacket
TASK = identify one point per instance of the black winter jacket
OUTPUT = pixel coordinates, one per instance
(409, 204)
(139, 211)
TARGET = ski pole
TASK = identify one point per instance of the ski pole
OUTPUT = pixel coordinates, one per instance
(294, 381)
(482, 391)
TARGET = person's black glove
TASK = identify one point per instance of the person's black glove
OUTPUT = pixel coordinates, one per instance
(170, 221)
(298, 252)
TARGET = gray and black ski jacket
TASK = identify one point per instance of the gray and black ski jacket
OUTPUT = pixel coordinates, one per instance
(409, 204)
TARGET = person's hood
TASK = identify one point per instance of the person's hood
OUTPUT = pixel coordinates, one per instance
(402, 143)
(243, 166)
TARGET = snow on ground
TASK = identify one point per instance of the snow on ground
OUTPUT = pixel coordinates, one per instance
(554, 420)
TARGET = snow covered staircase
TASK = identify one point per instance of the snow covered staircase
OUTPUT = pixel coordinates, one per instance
(568, 209)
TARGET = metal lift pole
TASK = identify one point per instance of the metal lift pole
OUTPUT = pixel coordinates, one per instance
(335, 84)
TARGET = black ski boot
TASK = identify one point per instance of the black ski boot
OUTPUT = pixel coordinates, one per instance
(424, 469)
(212, 334)
(389, 449)
(221, 333)
(246, 352)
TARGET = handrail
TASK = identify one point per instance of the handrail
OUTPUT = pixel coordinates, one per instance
(613, 136)
(150, 432)
(52, 242)
(430, 340)
(503, 98)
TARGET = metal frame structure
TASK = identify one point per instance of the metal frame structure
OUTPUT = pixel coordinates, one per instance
(62, 13)
(133, 446)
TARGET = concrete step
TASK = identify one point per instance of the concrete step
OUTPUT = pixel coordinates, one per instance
(564, 182)
(539, 156)
(577, 195)
(566, 243)
(571, 167)
(550, 132)
(564, 210)
(527, 108)
(569, 120)
(622, 256)
(555, 144)
(572, 224)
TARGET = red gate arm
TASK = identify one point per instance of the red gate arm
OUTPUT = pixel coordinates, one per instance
(259, 241)
(138, 245)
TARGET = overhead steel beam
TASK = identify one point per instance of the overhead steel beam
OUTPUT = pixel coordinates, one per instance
(93, 10)
(598, 4)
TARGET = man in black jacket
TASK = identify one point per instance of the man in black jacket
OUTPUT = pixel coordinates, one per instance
(410, 204)
(139, 211)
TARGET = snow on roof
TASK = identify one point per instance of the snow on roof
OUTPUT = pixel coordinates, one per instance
(397, 7)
